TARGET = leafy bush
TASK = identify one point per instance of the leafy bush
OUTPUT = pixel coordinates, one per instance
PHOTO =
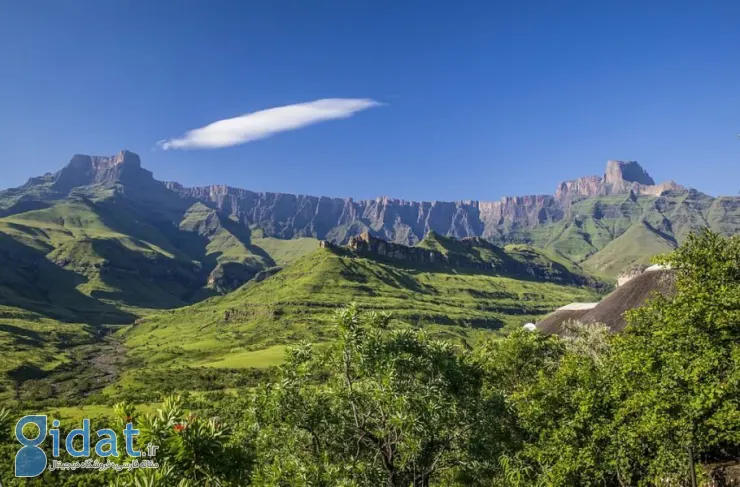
(192, 450)
(395, 408)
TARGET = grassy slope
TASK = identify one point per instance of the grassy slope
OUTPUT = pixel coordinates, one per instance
(636, 246)
(32, 345)
(593, 223)
(514, 260)
(297, 304)
(663, 225)
(81, 261)
(225, 241)
(103, 258)
(608, 233)
(101, 263)
(283, 252)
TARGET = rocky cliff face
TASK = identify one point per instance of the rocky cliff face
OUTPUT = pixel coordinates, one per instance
(406, 222)
(511, 219)
(124, 167)
(620, 178)
(366, 244)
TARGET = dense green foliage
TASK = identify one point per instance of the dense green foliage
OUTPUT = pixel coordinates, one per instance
(393, 408)
(393, 404)
(626, 410)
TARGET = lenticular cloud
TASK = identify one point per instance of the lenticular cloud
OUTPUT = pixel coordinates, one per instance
(264, 123)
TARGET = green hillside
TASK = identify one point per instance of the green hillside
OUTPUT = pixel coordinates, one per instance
(107, 261)
(247, 328)
(514, 260)
(283, 252)
(33, 346)
(73, 255)
(635, 246)
(606, 234)
(592, 224)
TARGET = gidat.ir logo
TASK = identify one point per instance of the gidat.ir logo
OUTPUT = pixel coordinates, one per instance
(30, 460)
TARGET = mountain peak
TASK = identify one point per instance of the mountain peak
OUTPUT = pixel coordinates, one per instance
(628, 171)
(126, 157)
(621, 177)
(83, 170)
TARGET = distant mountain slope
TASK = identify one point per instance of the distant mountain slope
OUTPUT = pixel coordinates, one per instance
(297, 303)
(101, 241)
(203, 235)
(578, 221)
(406, 222)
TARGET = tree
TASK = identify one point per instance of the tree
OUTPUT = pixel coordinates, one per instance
(633, 408)
(384, 407)
(678, 362)
(556, 392)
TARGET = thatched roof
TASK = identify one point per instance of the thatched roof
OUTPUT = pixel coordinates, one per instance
(610, 311)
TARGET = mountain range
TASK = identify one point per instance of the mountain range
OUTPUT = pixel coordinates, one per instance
(223, 278)
(605, 223)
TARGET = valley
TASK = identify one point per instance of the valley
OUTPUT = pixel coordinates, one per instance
(223, 278)
(117, 287)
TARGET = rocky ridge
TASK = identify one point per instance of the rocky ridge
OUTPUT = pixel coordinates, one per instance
(470, 254)
(406, 222)
(620, 178)
(620, 218)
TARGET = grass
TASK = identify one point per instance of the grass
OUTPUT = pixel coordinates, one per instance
(85, 265)
(249, 327)
(592, 223)
(636, 246)
(93, 411)
(109, 261)
(32, 346)
(283, 252)
(258, 359)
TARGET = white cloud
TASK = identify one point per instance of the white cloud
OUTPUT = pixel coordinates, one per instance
(262, 124)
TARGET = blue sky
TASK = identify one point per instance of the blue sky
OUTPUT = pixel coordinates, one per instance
(479, 99)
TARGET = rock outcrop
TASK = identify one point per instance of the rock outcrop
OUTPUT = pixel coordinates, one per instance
(124, 167)
(611, 310)
(406, 222)
(620, 178)
(630, 273)
(365, 244)
(470, 254)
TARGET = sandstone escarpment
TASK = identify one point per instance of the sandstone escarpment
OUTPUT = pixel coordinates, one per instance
(406, 222)
(124, 167)
(510, 219)
(620, 178)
